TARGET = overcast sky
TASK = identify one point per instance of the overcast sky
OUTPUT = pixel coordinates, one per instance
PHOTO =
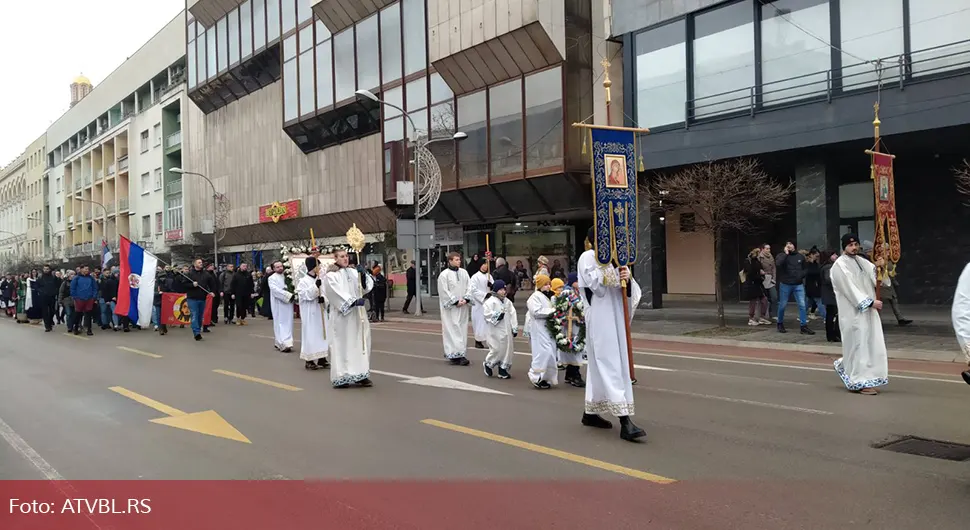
(47, 43)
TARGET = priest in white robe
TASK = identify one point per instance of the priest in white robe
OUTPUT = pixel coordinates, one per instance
(453, 292)
(350, 341)
(961, 316)
(609, 388)
(864, 365)
(503, 327)
(543, 372)
(281, 303)
(314, 347)
(479, 286)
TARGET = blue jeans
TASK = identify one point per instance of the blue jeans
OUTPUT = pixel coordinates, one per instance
(784, 294)
(197, 308)
(156, 313)
(820, 307)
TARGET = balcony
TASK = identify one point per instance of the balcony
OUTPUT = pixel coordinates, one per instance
(123, 204)
(173, 140)
(77, 185)
(87, 215)
(123, 164)
(99, 175)
(110, 208)
(87, 180)
(111, 170)
(174, 187)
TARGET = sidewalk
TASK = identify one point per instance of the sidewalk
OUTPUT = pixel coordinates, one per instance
(929, 338)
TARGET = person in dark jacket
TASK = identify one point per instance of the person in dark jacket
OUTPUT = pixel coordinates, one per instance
(813, 283)
(380, 294)
(225, 293)
(109, 293)
(832, 332)
(164, 283)
(502, 272)
(412, 287)
(242, 292)
(266, 309)
(790, 266)
(47, 287)
(194, 285)
(64, 295)
(8, 292)
(84, 291)
(754, 291)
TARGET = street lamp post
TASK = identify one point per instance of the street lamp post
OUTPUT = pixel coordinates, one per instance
(215, 221)
(367, 94)
(52, 232)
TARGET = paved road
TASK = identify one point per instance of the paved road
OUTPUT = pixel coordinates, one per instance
(737, 438)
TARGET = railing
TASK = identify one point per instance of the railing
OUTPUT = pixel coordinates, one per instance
(110, 208)
(174, 187)
(174, 139)
(123, 164)
(896, 71)
(111, 170)
(77, 185)
(87, 215)
(87, 247)
(98, 175)
(123, 204)
(87, 180)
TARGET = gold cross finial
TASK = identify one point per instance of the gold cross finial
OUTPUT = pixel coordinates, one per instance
(606, 78)
(876, 123)
(606, 63)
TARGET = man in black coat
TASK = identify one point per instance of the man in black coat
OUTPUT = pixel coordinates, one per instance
(412, 286)
(242, 292)
(47, 287)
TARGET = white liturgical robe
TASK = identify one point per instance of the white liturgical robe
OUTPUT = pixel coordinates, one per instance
(608, 385)
(479, 285)
(864, 362)
(961, 312)
(313, 333)
(349, 328)
(501, 329)
(281, 303)
(543, 344)
(452, 289)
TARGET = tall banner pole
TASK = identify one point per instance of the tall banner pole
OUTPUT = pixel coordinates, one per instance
(884, 195)
(613, 172)
(488, 256)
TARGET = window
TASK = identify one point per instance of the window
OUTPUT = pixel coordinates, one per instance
(393, 121)
(158, 223)
(938, 23)
(788, 51)
(272, 20)
(146, 183)
(324, 74)
(233, 23)
(543, 119)
(223, 47)
(473, 151)
(157, 134)
(417, 94)
(210, 42)
(146, 226)
(173, 208)
(289, 15)
(391, 43)
(158, 178)
(505, 122)
(344, 64)
(58, 214)
(259, 24)
(200, 53)
(303, 11)
(290, 81)
(246, 29)
(368, 60)
(307, 95)
(870, 29)
(723, 59)
(190, 64)
(57, 185)
(415, 36)
(144, 141)
(440, 91)
(661, 69)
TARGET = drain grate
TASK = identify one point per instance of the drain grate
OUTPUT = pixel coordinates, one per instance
(912, 445)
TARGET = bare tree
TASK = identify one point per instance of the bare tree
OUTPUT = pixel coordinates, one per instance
(723, 196)
(962, 176)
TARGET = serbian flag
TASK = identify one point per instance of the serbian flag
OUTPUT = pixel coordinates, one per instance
(136, 289)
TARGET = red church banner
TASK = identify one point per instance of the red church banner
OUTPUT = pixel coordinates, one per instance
(887, 230)
(175, 310)
(279, 211)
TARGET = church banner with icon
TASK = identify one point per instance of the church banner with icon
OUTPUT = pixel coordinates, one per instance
(614, 176)
(175, 310)
(887, 230)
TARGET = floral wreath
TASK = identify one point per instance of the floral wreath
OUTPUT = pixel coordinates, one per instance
(557, 325)
(302, 249)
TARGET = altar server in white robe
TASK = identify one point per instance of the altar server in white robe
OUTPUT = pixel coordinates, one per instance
(281, 303)
(344, 289)
(453, 293)
(503, 327)
(543, 373)
(609, 388)
(864, 365)
(313, 334)
(572, 360)
(961, 316)
(479, 286)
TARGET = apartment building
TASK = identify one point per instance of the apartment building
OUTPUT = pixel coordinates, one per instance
(109, 155)
(13, 208)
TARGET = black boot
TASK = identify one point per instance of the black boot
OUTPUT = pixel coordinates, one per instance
(574, 377)
(479, 345)
(595, 420)
(323, 363)
(503, 373)
(488, 370)
(365, 383)
(806, 330)
(629, 431)
(966, 376)
(310, 365)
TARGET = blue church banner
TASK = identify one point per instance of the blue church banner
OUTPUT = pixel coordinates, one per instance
(614, 176)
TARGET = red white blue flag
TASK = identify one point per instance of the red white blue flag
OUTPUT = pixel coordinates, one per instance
(137, 279)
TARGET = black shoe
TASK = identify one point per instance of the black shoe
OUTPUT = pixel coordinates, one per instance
(905, 322)
(198, 337)
(966, 376)
(807, 331)
(561, 366)
(574, 377)
(503, 373)
(542, 385)
(488, 370)
(630, 432)
(479, 345)
(462, 361)
(205, 329)
(345, 385)
(126, 330)
(365, 383)
(287, 350)
(455, 362)
(323, 363)
(90, 333)
(597, 421)
(310, 365)
(781, 328)
(47, 330)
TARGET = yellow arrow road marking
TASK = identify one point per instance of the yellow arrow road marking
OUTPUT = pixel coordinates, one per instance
(267, 382)
(139, 352)
(207, 422)
(599, 464)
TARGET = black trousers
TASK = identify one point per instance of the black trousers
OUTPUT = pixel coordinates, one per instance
(229, 306)
(215, 308)
(76, 320)
(832, 331)
(48, 310)
(378, 306)
(407, 302)
(242, 306)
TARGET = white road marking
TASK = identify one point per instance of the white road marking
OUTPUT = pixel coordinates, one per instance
(444, 382)
(392, 374)
(741, 401)
(21, 446)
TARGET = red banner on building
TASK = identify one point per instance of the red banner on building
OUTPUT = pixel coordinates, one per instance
(279, 211)
(175, 310)
(887, 230)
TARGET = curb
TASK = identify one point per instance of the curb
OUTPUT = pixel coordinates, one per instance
(818, 349)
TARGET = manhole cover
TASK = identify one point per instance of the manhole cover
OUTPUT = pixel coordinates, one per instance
(912, 445)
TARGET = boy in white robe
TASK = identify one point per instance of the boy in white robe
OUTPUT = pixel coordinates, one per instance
(573, 360)
(961, 316)
(609, 387)
(281, 303)
(864, 364)
(503, 327)
(543, 373)
(313, 334)
(452, 292)
(350, 341)
(479, 286)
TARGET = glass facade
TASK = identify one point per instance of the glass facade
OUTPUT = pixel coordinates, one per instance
(869, 29)
(793, 63)
(723, 59)
(938, 24)
(661, 64)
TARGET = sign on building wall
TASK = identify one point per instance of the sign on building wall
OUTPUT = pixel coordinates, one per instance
(279, 211)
